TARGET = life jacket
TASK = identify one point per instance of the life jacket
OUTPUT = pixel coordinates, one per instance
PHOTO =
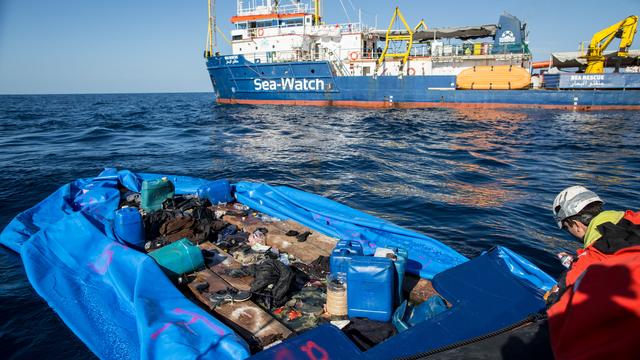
(592, 234)
(598, 315)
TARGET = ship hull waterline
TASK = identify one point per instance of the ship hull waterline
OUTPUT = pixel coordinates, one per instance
(238, 81)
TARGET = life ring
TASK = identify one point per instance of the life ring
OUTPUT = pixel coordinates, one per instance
(411, 71)
(353, 56)
(260, 32)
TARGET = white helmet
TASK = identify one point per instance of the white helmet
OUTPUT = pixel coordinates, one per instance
(571, 201)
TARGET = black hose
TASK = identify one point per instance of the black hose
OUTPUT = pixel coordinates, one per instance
(528, 319)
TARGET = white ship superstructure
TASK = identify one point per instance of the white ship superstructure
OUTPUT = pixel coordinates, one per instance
(271, 31)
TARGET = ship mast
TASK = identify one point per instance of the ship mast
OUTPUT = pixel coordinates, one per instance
(317, 12)
(212, 38)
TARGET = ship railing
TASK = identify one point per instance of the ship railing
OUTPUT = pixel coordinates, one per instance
(270, 57)
(253, 32)
(336, 56)
(354, 54)
(350, 27)
(338, 28)
(465, 49)
(282, 9)
(350, 55)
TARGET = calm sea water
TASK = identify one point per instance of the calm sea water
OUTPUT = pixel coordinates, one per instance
(472, 179)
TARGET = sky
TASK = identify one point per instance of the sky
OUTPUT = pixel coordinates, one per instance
(117, 46)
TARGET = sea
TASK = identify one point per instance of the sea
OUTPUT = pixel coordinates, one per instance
(470, 178)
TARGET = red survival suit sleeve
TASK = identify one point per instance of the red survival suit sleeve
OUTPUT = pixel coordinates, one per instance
(598, 317)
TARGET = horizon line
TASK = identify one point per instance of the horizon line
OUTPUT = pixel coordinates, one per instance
(107, 93)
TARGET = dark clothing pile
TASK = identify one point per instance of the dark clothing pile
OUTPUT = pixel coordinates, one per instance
(304, 310)
(317, 270)
(191, 218)
(368, 333)
(272, 280)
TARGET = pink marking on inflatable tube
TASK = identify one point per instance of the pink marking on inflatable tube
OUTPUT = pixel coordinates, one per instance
(195, 317)
(101, 265)
(160, 331)
(284, 354)
(309, 349)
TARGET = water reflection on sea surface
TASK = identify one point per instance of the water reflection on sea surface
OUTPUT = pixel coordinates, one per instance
(471, 178)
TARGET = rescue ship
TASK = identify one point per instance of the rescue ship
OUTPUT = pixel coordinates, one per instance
(285, 54)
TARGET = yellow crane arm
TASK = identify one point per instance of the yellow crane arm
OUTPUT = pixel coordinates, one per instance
(628, 33)
(625, 30)
(408, 38)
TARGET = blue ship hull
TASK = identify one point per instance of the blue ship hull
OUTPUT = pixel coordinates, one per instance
(238, 81)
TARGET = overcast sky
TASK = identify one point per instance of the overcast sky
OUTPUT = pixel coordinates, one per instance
(84, 46)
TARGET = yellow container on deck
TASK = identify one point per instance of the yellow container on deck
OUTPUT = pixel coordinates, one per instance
(502, 77)
(477, 49)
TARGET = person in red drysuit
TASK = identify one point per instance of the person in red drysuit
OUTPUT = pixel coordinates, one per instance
(595, 308)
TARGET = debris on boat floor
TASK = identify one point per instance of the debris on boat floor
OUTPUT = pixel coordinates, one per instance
(264, 277)
(245, 314)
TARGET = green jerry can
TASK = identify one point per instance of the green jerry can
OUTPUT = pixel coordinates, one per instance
(181, 257)
(155, 192)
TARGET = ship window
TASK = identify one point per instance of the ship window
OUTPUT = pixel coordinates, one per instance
(263, 24)
(291, 22)
(241, 26)
(313, 71)
(236, 37)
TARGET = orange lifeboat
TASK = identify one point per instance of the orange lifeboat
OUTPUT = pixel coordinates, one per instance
(502, 77)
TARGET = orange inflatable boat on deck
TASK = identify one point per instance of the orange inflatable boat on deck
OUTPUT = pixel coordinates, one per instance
(503, 77)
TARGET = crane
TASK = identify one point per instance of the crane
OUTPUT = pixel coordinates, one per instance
(625, 30)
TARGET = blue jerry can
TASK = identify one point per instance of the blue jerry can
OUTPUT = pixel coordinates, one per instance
(128, 227)
(179, 258)
(401, 266)
(216, 192)
(155, 192)
(400, 263)
(342, 253)
(370, 288)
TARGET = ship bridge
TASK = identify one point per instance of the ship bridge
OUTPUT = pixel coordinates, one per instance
(254, 14)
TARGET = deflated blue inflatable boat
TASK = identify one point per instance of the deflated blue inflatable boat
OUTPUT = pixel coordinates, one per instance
(121, 304)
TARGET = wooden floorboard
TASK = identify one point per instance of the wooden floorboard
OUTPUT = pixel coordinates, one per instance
(246, 315)
(315, 246)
